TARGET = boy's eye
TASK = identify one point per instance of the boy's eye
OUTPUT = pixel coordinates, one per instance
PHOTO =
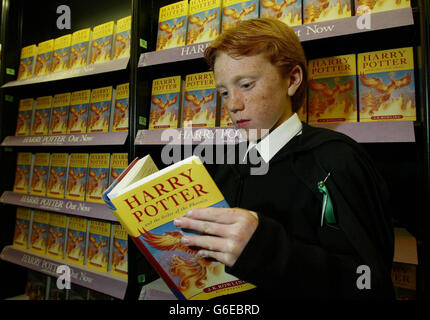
(246, 85)
(223, 94)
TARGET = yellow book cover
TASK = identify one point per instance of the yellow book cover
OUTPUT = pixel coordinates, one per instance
(333, 89)
(318, 11)
(172, 25)
(366, 6)
(100, 108)
(79, 109)
(39, 231)
(288, 11)
(234, 11)
(26, 62)
(204, 20)
(57, 235)
(98, 176)
(101, 47)
(386, 85)
(76, 239)
(165, 103)
(79, 48)
(77, 176)
(120, 251)
(147, 214)
(42, 116)
(25, 114)
(60, 113)
(119, 161)
(61, 56)
(98, 244)
(57, 175)
(23, 172)
(120, 116)
(44, 57)
(200, 100)
(22, 227)
(225, 120)
(40, 174)
(122, 38)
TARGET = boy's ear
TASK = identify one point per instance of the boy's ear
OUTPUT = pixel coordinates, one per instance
(296, 78)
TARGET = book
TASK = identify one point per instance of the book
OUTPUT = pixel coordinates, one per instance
(98, 176)
(386, 85)
(172, 25)
(44, 57)
(57, 175)
(42, 116)
(101, 44)
(57, 235)
(61, 56)
(24, 164)
(79, 109)
(99, 117)
(60, 113)
(77, 176)
(119, 251)
(287, 11)
(25, 117)
(121, 109)
(122, 38)
(22, 227)
(204, 20)
(40, 174)
(165, 103)
(318, 11)
(333, 89)
(39, 231)
(98, 244)
(147, 206)
(234, 11)
(76, 241)
(119, 161)
(225, 120)
(26, 62)
(35, 288)
(200, 100)
(80, 48)
(366, 6)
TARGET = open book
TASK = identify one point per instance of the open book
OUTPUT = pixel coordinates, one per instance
(146, 201)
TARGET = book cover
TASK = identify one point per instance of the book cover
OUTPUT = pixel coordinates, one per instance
(200, 100)
(98, 176)
(76, 239)
(39, 231)
(22, 228)
(147, 208)
(172, 25)
(120, 251)
(35, 288)
(26, 62)
(386, 85)
(165, 103)
(61, 56)
(98, 245)
(225, 120)
(288, 11)
(42, 116)
(40, 174)
(204, 20)
(333, 89)
(60, 113)
(234, 11)
(318, 11)
(366, 6)
(24, 163)
(57, 175)
(79, 109)
(79, 50)
(77, 176)
(100, 110)
(44, 58)
(25, 117)
(122, 38)
(119, 161)
(57, 235)
(120, 116)
(101, 46)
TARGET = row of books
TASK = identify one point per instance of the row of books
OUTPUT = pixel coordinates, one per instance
(76, 176)
(98, 244)
(98, 110)
(183, 22)
(107, 41)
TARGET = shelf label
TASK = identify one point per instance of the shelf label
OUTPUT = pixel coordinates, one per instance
(8, 98)
(143, 43)
(10, 71)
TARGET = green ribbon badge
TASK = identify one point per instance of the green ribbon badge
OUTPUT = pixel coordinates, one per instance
(327, 206)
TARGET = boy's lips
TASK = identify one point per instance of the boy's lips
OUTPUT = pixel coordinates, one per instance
(242, 123)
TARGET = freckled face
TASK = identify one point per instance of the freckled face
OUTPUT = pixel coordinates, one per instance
(253, 91)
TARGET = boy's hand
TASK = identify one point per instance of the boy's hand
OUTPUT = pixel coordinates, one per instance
(225, 231)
